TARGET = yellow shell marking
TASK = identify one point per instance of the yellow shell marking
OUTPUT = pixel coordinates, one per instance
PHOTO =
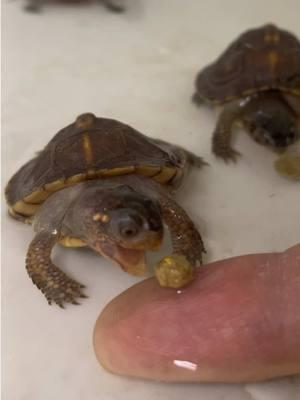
(87, 148)
(116, 171)
(91, 174)
(36, 197)
(55, 185)
(273, 58)
(75, 179)
(272, 37)
(30, 204)
(148, 170)
(165, 175)
(25, 209)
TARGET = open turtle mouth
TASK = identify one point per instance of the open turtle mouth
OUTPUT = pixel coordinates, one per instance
(152, 242)
(132, 261)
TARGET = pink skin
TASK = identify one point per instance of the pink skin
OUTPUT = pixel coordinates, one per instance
(238, 321)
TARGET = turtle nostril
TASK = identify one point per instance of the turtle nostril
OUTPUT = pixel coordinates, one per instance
(130, 228)
(128, 232)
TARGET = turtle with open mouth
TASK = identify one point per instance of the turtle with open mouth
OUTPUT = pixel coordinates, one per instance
(102, 184)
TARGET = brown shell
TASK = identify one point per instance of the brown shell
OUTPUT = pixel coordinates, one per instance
(260, 59)
(90, 148)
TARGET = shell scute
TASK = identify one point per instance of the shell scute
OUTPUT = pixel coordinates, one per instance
(90, 148)
(259, 59)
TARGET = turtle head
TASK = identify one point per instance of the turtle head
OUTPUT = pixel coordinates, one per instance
(273, 125)
(121, 224)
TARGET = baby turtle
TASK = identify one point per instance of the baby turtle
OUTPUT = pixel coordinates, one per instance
(112, 5)
(257, 79)
(102, 184)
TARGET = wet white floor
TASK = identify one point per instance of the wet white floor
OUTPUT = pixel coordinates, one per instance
(138, 67)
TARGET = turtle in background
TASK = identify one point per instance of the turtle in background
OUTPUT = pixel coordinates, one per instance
(102, 184)
(116, 6)
(257, 81)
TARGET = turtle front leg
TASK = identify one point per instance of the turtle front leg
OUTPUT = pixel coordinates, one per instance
(55, 284)
(114, 5)
(197, 99)
(178, 269)
(221, 141)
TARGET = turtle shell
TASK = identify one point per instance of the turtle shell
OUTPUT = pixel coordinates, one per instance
(260, 59)
(90, 148)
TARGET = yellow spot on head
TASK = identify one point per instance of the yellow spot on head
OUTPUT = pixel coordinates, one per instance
(101, 217)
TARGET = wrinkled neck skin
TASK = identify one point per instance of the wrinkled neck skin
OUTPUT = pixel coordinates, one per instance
(271, 118)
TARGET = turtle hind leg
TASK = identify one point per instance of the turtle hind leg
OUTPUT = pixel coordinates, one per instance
(221, 141)
(194, 160)
(56, 285)
(114, 5)
(181, 152)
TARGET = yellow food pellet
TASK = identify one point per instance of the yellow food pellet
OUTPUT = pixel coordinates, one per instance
(174, 271)
(288, 166)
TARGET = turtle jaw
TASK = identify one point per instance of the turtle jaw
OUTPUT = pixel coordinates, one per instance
(130, 259)
(149, 241)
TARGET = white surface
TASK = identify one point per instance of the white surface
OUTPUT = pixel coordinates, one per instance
(139, 68)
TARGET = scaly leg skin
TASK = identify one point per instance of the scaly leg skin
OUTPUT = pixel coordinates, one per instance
(55, 284)
(114, 5)
(221, 142)
(195, 160)
(178, 269)
(192, 158)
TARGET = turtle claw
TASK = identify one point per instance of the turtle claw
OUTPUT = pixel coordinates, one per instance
(174, 271)
(63, 290)
(228, 155)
